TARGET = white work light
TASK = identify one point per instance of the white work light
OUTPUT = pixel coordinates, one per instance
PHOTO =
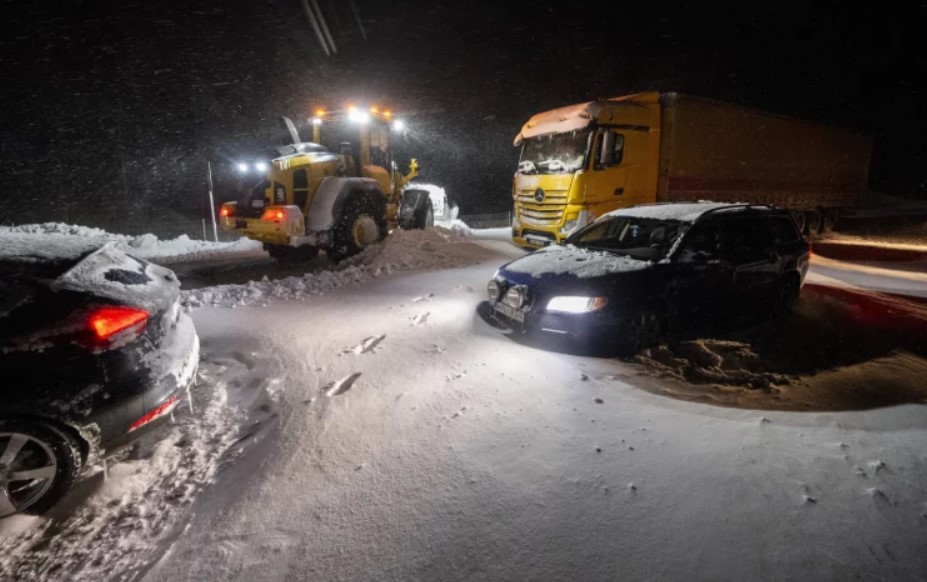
(243, 167)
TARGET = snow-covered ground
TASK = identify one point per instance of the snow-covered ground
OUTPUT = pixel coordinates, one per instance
(363, 422)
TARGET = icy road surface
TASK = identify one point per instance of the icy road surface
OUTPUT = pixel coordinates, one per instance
(364, 423)
(415, 442)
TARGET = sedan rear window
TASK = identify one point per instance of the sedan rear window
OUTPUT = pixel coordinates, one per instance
(646, 239)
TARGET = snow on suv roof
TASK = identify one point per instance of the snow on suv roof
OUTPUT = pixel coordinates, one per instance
(681, 211)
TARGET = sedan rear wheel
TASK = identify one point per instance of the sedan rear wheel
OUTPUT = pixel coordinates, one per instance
(38, 464)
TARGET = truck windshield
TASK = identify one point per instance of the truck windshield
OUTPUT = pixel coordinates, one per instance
(554, 153)
(647, 239)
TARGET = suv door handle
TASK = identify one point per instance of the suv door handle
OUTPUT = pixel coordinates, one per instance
(619, 191)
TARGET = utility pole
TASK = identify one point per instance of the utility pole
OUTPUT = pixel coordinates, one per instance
(212, 204)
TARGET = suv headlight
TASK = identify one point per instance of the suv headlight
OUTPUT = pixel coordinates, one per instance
(516, 296)
(493, 289)
(576, 304)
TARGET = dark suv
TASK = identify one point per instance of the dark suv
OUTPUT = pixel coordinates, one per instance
(637, 273)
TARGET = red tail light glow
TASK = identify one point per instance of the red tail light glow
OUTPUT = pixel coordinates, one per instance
(106, 322)
(225, 211)
(155, 413)
(273, 215)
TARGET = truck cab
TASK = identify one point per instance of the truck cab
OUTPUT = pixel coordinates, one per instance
(581, 161)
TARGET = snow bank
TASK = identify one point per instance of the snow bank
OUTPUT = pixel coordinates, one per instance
(31, 242)
(403, 250)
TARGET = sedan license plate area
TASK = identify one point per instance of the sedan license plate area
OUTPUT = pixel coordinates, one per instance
(510, 312)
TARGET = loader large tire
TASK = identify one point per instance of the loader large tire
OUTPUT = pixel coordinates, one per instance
(362, 223)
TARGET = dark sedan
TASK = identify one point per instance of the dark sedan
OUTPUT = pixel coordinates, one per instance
(638, 273)
(94, 351)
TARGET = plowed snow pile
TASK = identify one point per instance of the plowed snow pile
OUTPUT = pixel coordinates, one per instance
(403, 250)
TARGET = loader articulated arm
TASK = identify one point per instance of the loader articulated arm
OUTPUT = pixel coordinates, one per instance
(413, 172)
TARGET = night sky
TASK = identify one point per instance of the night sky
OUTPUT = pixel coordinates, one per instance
(112, 109)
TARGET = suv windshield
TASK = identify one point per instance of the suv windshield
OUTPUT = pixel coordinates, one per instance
(647, 239)
(554, 153)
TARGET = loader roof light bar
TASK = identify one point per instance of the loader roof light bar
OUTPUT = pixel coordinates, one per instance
(358, 116)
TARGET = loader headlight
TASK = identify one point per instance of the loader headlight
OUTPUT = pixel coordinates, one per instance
(399, 125)
(358, 116)
(260, 166)
(243, 168)
(576, 304)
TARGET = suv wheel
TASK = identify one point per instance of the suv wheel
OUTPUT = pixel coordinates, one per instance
(643, 331)
(785, 298)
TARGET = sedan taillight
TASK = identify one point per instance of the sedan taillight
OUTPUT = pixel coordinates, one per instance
(116, 325)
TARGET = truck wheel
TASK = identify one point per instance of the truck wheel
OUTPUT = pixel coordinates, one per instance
(812, 223)
(284, 254)
(360, 225)
(38, 464)
(799, 218)
(829, 221)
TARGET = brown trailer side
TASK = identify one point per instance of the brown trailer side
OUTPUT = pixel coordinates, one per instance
(717, 151)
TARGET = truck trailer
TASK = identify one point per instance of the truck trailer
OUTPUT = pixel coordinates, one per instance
(581, 161)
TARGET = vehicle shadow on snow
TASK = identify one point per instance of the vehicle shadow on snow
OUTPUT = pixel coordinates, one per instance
(837, 350)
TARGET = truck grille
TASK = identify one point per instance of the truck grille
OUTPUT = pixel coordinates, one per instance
(546, 213)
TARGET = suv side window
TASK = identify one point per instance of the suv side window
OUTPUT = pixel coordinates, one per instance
(782, 230)
(744, 240)
(702, 240)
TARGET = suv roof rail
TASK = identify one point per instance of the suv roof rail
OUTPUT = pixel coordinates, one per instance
(733, 205)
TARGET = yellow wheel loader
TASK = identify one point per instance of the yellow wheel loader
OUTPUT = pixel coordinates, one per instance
(340, 200)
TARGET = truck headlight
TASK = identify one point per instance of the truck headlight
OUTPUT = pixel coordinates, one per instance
(576, 304)
(493, 289)
(575, 222)
(516, 296)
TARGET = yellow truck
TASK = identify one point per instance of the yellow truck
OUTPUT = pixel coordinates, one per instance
(340, 199)
(581, 161)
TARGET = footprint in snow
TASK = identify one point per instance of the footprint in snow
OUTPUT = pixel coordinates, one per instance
(366, 346)
(341, 386)
(423, 298)
(420, 318)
